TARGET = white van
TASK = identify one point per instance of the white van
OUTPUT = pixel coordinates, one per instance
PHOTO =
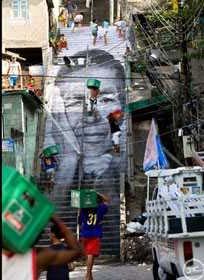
(175, 223)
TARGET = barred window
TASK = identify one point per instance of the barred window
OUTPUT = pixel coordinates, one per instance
(20, 9)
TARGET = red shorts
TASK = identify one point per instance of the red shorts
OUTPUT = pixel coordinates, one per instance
(91, 246)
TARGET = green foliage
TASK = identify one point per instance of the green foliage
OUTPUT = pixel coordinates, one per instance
(139, 67)
(158, 18)
(191, 8)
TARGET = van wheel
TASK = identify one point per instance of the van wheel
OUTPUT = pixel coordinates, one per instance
(155, 269)
(175, 273)
(170, 277)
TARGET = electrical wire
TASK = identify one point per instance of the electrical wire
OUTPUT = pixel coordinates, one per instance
(74, 77)
(188, 29)
(159, 7)
(100, 124)
(143, 141)
(167, 26)
(97, 77)
(90, 125)
(157, 43)
(191, 20)
(147, 36)
(144, 32)
(151, 41)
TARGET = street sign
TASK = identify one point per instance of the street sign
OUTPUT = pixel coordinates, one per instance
(7, 145)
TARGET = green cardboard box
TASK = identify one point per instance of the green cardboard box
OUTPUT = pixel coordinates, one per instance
(83, 198)
(25, 211)
(51, 150)
(93, 83)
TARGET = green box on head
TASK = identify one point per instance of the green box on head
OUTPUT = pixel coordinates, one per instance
(84, 198)
(25, 211)
(51, 150)
(93, 83)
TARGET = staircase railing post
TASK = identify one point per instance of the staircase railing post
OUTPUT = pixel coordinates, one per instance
(81, 171)
(92, 2)
(111, 4)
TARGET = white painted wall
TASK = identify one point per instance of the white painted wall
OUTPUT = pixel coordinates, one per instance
(21, 33)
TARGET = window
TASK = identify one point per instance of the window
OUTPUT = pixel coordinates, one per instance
(20, 9)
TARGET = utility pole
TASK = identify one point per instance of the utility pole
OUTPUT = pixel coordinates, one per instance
(81, 156)
(185, 66)
(92, 2)
(185, 99)
(128, 117)
(111, 4)
(118, 9)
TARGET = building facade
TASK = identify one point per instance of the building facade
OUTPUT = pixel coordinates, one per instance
(26, 26)
(20, 115)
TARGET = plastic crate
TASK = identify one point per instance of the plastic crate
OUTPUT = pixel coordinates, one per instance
(25, 211)
(83, 198)
(51, 150)
(93, 83)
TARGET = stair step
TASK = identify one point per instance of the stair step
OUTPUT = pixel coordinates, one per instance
(110, 184)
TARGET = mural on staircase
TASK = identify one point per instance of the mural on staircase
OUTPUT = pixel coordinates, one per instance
(66, 104)
(64, 95)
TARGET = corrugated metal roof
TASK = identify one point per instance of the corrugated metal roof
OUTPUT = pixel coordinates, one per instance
(145, 103)
(28, 94)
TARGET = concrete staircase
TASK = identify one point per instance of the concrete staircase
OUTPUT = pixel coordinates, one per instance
(61, 197)
(81, 38)
(81, 7)
(100, 10)
(109, 181)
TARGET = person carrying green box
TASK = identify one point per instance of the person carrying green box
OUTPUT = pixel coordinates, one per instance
(91, 231)
(23, 220)
(94, 86)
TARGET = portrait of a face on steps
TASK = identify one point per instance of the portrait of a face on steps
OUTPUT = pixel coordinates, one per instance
(66, 106)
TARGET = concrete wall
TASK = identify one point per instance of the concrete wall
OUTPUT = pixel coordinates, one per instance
(12, 114)
(55, 10)
(20, 114)
(21, 33)
(12, 118)
(31, 121)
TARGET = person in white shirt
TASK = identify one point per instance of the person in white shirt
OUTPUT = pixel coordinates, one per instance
(14, 72)
(121, 28)
(94, 30)
(78, 19)
(169, 191)
(92, 101)
(28, 266)
(105, 26)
